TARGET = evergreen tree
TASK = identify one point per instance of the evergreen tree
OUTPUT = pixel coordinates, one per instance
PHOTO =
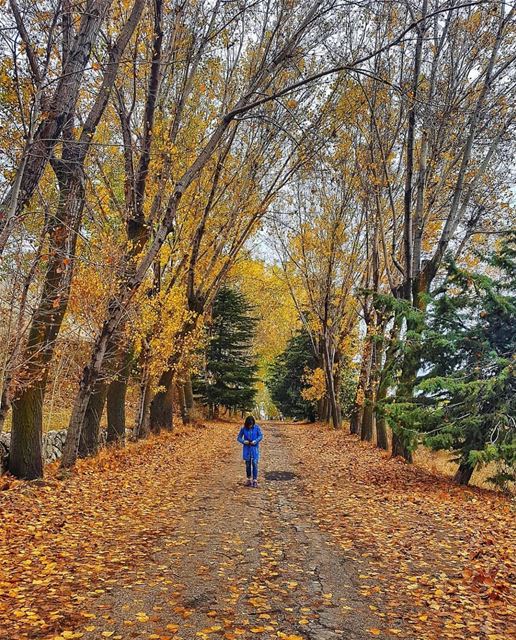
(285, 380)
(465, 398)
(230, 371)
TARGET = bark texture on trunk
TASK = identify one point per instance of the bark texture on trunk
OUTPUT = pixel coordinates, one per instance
(189, 398)
(142, 426)
(162, 405)
(464, 473)
(48, 317)
(399, 448)
(90, 433)
(382, 440)
(25, 456)
(116, 410)
(366, 432)
(185, 414)
(116, 398)
(355, 420)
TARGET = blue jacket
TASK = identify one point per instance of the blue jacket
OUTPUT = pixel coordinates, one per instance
(254, 434)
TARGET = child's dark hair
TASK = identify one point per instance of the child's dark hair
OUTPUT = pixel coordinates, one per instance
(249, 422)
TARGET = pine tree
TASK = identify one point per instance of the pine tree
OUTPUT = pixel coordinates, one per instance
(465, 398)
(230, 371)
(286, 377)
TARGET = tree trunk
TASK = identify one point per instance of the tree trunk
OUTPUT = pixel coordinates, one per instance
(48, 317)
(399, 448)
(95, 407)
(320, 409)
(356, 416)
(25, 455)
(385, 380)
(185, 415)
(336, 415)
(381, 424)
(189, 398)
(162, 405)
(464, 473)
(116, 398)
(61, 105)
(5, 405)
(323, 409)
(116, 395)
(142, 426)
(405, 393)
(366, 432)
(89, 439)
(333, 401)
(355, 420)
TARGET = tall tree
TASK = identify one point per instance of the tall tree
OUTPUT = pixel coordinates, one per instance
(229, 375)
(465, 392)
(25, 456)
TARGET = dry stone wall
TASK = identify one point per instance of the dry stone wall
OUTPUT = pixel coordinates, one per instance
(53, 443)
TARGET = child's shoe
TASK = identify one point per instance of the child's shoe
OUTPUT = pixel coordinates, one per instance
(255, 484)
(248, 483)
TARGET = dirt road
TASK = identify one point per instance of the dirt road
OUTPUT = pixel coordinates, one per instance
(242, 562)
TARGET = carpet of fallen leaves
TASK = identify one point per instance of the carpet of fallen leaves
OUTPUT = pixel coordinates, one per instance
(438, 561)
(63, 543)
(434, 561)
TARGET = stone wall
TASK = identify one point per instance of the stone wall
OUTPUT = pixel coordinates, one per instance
(53, 442)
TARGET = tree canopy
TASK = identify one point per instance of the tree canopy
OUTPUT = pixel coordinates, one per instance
(316, 157)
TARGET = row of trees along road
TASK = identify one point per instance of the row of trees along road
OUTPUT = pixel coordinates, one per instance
(416, 172)
(144, 143)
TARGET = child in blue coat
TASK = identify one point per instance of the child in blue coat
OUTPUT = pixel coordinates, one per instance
(250, 436)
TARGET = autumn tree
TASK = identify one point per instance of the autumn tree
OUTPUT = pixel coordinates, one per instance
(320, 248)
(61, 229)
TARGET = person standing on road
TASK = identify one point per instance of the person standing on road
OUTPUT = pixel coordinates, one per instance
(250, 437)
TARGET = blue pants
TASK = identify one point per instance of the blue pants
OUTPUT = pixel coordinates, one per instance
(251, 464)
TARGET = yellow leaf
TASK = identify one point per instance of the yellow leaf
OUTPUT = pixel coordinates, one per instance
(374, 632)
